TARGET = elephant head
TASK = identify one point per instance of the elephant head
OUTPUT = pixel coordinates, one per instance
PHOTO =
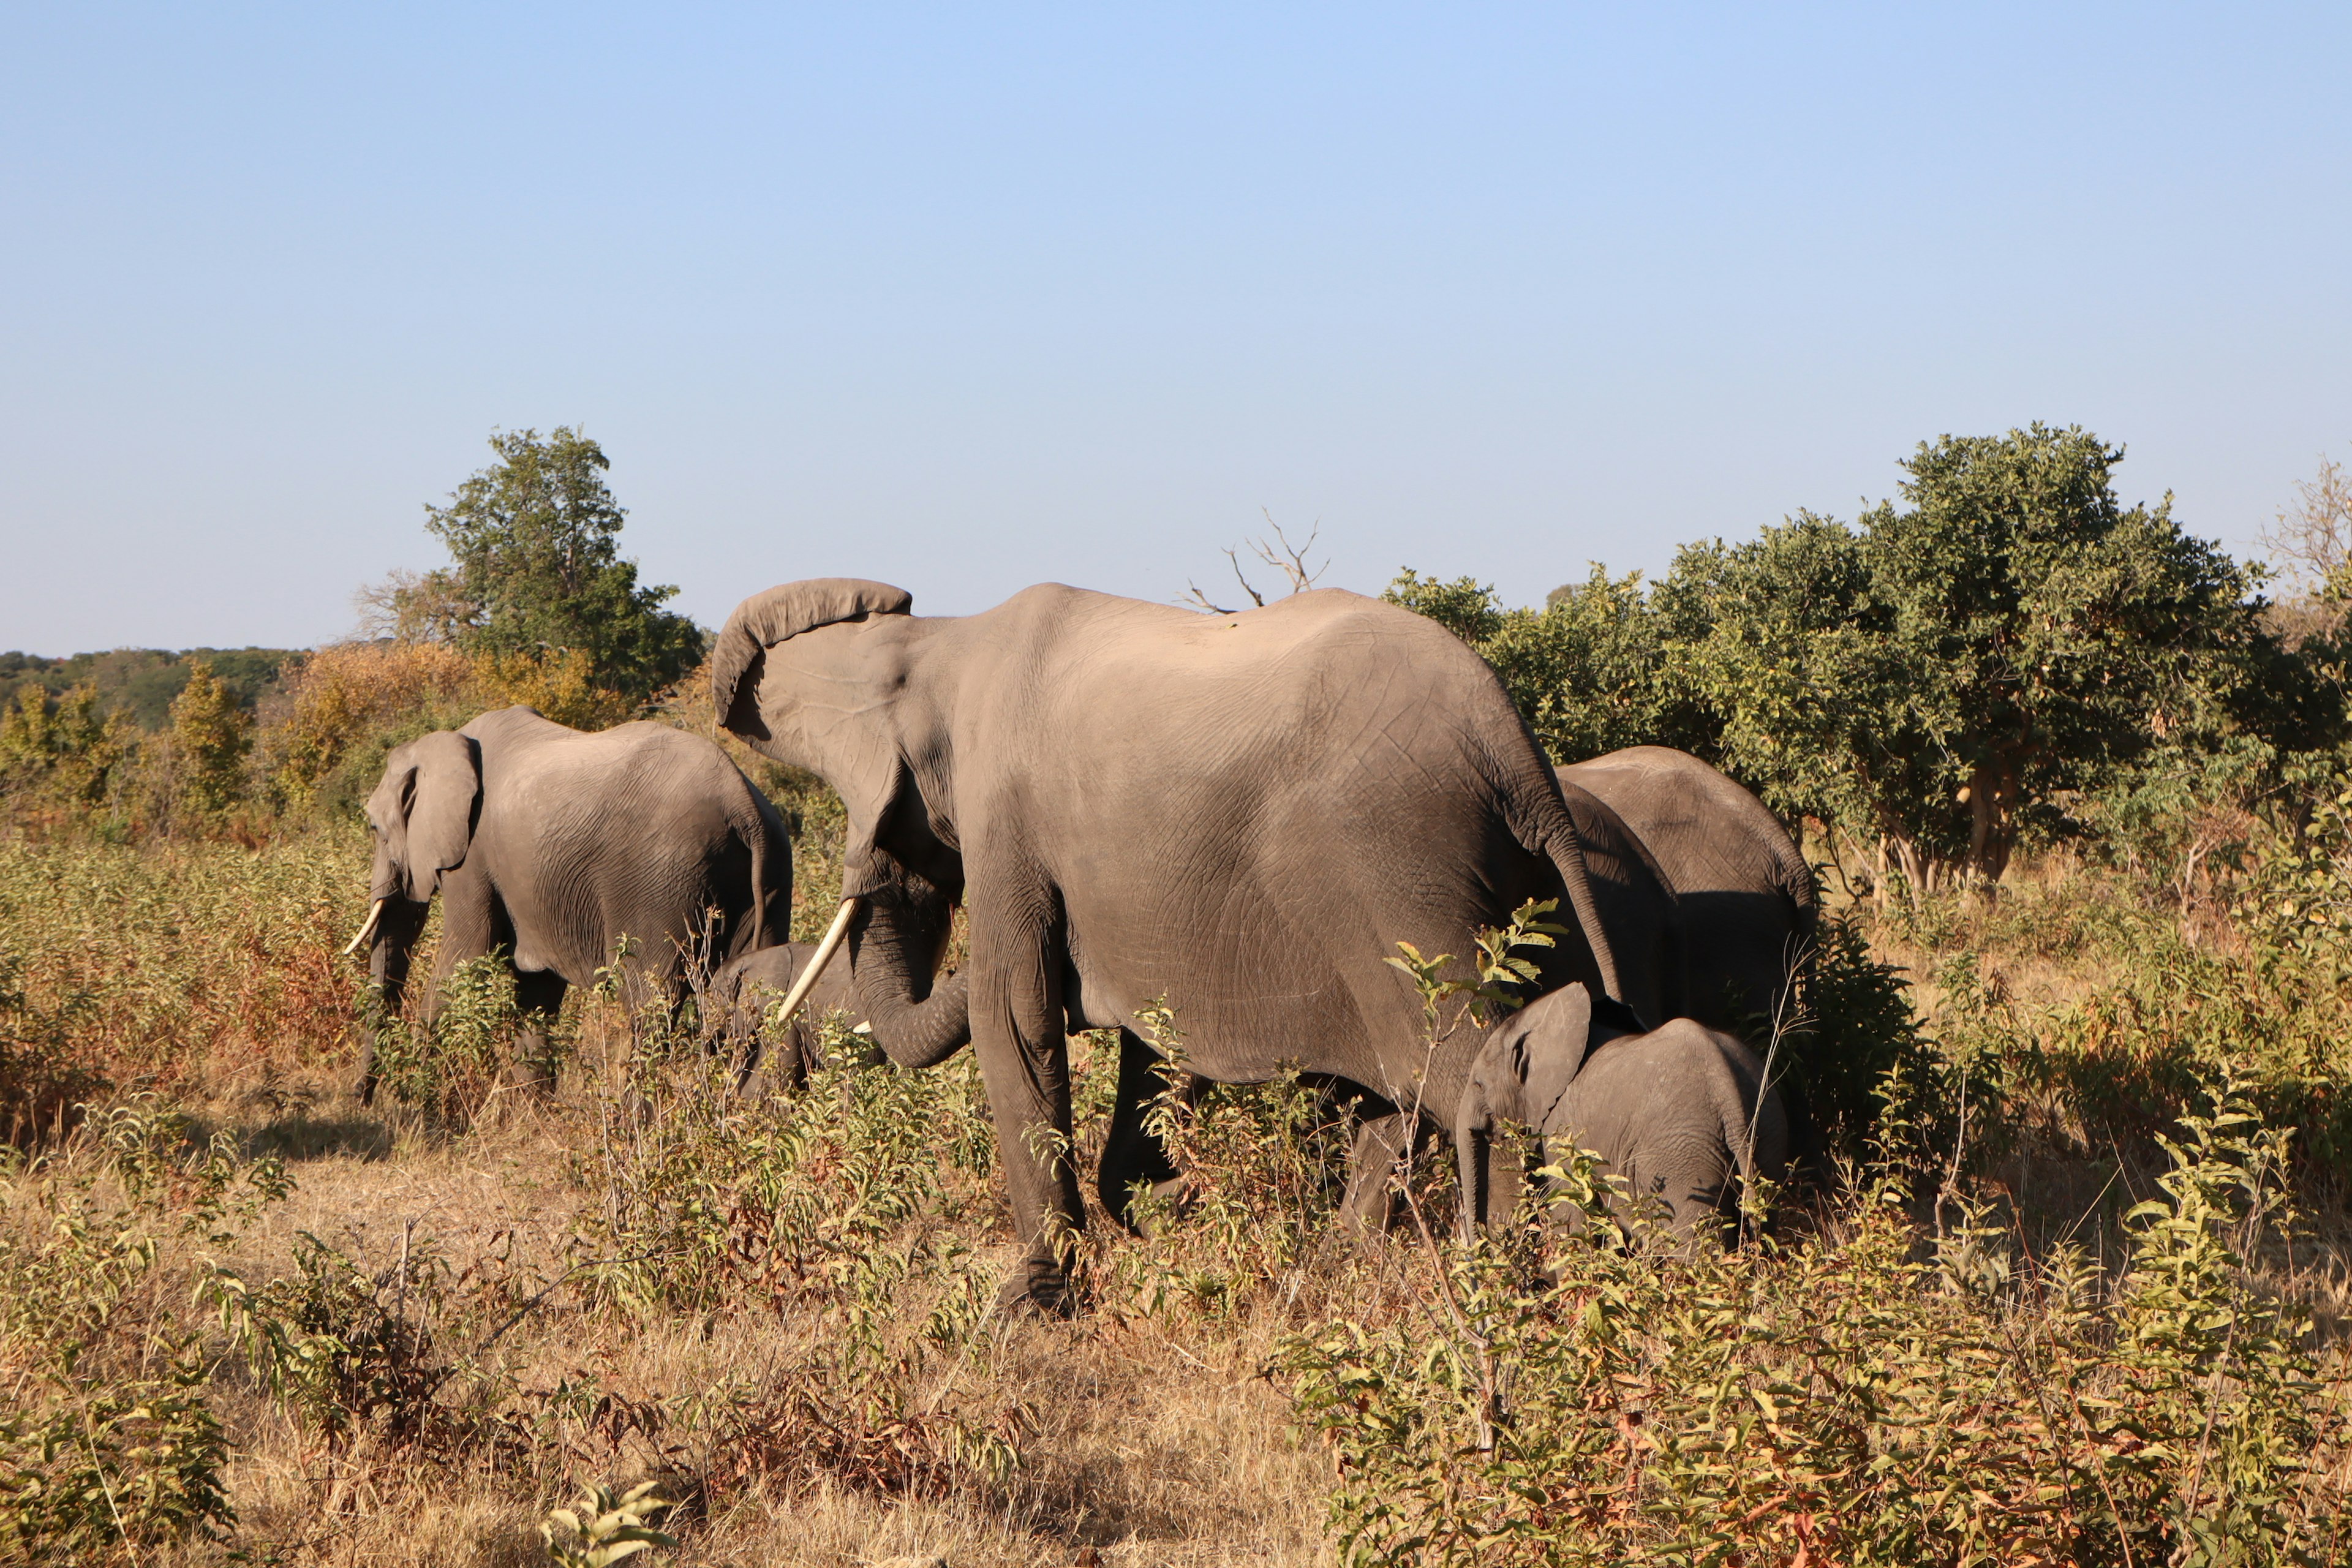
(1520, 1076)
(822, 675)
(423, 812)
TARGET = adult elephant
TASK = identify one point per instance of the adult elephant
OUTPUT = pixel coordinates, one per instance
(550, 845)
(1241, 814)
(1744, 904)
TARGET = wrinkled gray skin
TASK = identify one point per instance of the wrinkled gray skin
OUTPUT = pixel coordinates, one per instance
(1242, 814)
(551, 845)
(1681, 1112)
(739, 996)
(1744, 906)
(1635, 902)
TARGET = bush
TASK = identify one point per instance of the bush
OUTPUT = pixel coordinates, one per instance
(450, 1068)
(109, 1441)
(135, 966)
(837, 1204)
(1599, 1397)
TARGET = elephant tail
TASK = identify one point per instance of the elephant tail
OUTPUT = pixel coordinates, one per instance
(1568, 858)
(759, 930)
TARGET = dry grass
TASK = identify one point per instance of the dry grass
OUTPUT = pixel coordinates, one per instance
(1148, 1428)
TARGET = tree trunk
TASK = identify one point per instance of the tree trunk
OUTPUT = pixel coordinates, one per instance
(1992, 822)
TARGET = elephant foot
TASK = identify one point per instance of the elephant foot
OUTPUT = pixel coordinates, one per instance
(1039, 1287)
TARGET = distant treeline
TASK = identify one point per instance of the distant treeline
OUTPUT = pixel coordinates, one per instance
(140, 682)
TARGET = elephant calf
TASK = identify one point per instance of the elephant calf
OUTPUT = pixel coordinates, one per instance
(1682, 1112)
(737, 1001)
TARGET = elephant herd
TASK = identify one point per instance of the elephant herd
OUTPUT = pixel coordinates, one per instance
(1240, 816)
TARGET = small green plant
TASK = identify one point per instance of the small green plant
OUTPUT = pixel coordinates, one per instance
(835, 1203)
(604, 1529)
(108, 1439)
(1264, 1164)
(450, 1068)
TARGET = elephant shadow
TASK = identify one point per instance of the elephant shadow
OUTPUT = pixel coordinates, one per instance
(296, 1135)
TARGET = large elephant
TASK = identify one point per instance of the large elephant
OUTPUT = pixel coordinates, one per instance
(1744, 904)
(1681, 1112)
(550, 845)
(1242, 814)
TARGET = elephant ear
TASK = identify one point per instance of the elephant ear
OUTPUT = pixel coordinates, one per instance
(766, 619)
(1556, 1034)
(438, 798)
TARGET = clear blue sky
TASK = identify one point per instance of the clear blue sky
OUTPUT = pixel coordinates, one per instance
(969, 297)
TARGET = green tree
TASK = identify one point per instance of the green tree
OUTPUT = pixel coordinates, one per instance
(67, 751)
(537, 570)
(2046, 632)
(1587, 671)
(213, 735)
(1935, 677)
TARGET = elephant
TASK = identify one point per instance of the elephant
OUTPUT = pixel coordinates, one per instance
(550, 845)
(1240, 816)
(1682, 1112)
(738, 1000)
(1744, 902)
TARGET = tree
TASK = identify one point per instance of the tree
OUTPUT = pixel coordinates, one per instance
(538, 571)
(1935, 677)
(213, 735)
(2047, 633)
(1587, 671)
(68, 749)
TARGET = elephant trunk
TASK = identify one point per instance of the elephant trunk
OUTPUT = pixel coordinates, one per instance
(895, 946)
(394, 926)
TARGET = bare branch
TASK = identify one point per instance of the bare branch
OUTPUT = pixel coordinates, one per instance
(2312, 538)
(1198, 597)
(1284, 557)
(1292, 560)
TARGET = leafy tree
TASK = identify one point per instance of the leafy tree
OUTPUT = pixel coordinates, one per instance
(2046, 632)
(68, 749)
(212, 734)
(1937, 677)
(1587, 671)
(538, 571)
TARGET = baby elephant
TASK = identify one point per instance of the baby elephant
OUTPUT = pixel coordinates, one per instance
(737, 1004)
(1682, 1112)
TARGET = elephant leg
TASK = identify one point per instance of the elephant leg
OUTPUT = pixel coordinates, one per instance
(1017, 1032)
(470, 928)
(1383, 1142)
(397, 930)
(539, 997)
(1131, 1154)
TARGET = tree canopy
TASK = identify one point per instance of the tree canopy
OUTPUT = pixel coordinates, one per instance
(1940, 674)
(537, 570)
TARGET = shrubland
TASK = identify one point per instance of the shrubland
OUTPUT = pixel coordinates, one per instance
(2073, 1283)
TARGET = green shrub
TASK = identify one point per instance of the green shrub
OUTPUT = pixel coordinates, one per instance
(449, 1067)
(1600, 1397)
(107, 1440)
(840, 1204)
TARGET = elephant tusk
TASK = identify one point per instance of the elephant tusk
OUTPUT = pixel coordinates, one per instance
(824, 950)
(367, 927)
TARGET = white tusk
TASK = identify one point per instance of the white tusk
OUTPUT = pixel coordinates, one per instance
(367, 927)
(824, 950)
